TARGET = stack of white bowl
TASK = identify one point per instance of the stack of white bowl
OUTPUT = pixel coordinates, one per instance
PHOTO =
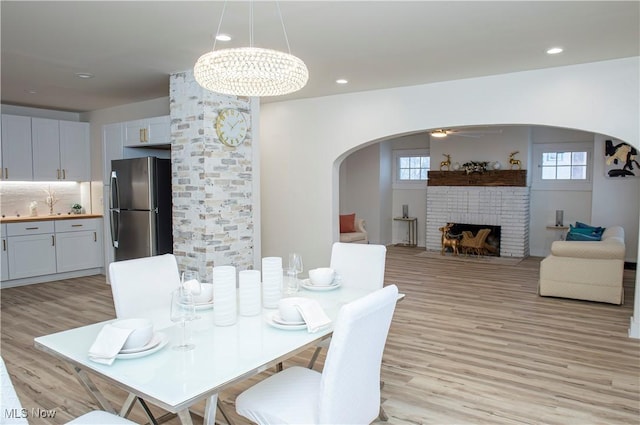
(271, 281)
(249, 292)
(225, 307)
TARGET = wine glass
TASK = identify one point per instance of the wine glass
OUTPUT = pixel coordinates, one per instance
(189, 280)
(295, 267)
(182, 311)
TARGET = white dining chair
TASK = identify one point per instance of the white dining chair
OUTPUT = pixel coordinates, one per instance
(142, 287)
(357, 266)
(14, 414)
(347, 391)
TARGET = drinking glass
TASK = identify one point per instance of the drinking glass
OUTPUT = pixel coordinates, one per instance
(182, 311)
(295, 267)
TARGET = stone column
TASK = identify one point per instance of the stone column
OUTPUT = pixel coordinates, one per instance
(213, 220)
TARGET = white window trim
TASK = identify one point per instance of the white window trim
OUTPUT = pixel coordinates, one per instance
(539, 149)
(406, 184)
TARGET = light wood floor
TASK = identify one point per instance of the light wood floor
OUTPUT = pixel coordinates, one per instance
(470, 344)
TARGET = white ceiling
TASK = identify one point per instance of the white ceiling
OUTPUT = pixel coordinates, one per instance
(133, 47)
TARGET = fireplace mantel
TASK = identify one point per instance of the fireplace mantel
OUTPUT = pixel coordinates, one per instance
(488, 178)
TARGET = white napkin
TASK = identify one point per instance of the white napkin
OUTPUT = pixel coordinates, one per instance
(193, 286)
(313, 315)
(108, 344)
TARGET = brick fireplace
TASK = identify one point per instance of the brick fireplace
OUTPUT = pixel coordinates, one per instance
(507, 207)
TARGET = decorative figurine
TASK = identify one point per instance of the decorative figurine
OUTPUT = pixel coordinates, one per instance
(33, 208)
(514, 162)
(446, 164)
(448, 240)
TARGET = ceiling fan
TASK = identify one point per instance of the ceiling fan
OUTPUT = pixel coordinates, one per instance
(477, 133)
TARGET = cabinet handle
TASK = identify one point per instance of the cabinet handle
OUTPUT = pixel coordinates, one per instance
(77, 225)
(6, 173)
(95, 237)
(4, 244)
(31, 228)
(142, 135)
(64, 174)
(53, 240)
(58, 174)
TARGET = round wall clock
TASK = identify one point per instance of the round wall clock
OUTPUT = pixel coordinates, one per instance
(231, 127)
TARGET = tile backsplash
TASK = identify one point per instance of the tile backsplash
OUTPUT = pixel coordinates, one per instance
(16, 197)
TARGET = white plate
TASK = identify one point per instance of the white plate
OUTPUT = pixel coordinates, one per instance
(163, 341)
(279, 320)
(155, 340)
(306, 284)
(285, 327)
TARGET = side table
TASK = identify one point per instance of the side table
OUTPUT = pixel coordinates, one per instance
(412, 223)
(562, 229)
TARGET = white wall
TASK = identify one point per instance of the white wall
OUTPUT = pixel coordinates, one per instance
(301, 153)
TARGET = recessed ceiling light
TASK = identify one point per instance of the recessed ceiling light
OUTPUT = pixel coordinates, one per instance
(342, 81)
(84, 75)
(30, 91)
(554, 50)
(223, 37)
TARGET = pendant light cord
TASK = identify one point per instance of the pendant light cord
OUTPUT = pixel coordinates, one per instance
(215, 37)
(283, 28)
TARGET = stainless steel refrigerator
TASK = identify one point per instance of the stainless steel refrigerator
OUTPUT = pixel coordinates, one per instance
(140, 207)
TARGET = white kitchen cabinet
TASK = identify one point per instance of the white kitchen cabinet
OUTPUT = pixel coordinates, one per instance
(4, 254)
(148, 131)
(16, 149)
(45, 137)
(112, 142)
(31, 249)
(75, 154)
(78, 244)
(60, 150)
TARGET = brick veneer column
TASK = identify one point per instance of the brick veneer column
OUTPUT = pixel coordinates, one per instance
(213, 221)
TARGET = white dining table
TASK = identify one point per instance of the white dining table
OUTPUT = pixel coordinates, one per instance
(176, 380)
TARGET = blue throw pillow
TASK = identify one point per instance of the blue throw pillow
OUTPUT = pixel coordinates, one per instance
(577, 236)
(580, 225)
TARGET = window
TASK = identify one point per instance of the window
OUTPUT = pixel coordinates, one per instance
(411, 168)
(562, 166)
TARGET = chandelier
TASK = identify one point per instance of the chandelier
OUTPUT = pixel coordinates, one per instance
(251, 71)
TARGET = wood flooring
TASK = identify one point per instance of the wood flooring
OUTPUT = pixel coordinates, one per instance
(470, 344)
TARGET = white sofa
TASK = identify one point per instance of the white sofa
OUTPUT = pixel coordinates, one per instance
(586, 270)
(359, 236)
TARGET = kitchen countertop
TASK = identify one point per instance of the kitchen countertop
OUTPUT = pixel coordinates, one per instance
(22, 219)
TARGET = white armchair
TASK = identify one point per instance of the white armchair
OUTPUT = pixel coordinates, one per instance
(360, 234)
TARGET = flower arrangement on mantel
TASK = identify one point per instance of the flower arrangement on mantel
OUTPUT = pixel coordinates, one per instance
(475, 166)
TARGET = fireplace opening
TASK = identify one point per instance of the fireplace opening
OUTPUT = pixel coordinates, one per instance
(491, 244)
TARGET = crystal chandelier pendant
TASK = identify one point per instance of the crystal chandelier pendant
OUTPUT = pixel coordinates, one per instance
(251, 71)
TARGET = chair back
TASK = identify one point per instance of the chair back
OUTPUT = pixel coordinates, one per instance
(350, 383)
(143, 286)
(359, 265)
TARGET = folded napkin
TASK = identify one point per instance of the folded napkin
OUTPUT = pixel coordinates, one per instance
(108, 344)
(313, 315)
(193, 286)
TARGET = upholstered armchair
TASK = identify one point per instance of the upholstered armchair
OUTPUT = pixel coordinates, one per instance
(353, 229)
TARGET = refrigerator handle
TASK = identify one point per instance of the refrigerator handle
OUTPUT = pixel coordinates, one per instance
(113, 190)
(115, 227)
(114, 194)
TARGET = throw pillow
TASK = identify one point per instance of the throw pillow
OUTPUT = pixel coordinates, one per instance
(348, 223)
(580, 225)
(575, 236)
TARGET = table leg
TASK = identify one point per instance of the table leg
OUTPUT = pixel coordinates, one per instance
(185, 417)
(128, 405)
(93, 391)
(210, 410)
